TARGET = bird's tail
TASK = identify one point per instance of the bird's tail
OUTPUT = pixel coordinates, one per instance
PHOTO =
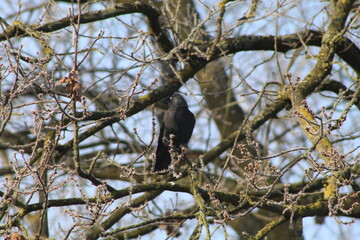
(163, 158)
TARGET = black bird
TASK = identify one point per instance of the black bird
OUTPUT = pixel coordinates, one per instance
(178, 121)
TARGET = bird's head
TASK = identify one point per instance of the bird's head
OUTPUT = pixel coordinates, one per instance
(176, 100)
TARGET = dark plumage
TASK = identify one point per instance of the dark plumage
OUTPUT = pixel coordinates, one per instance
(178, 121)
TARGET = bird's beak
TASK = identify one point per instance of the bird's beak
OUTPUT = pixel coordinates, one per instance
(163, 104)
(165, 101)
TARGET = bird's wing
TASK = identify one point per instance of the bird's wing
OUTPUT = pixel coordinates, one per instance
(185, 122)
